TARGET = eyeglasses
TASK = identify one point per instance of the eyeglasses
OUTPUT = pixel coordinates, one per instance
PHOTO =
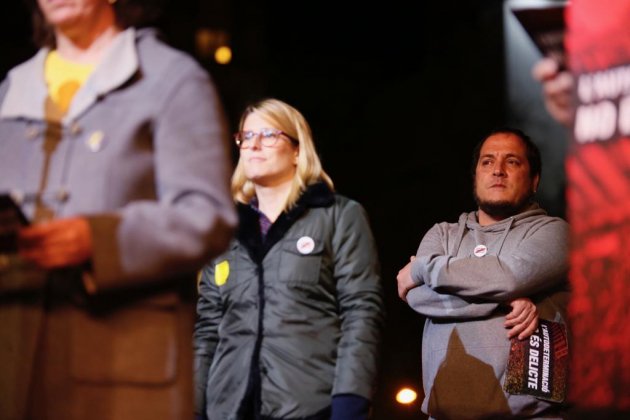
(268, 138)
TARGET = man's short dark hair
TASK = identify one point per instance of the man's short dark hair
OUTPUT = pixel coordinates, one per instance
(531, 150)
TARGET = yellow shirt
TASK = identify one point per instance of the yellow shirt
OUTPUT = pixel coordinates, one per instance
(64, 78)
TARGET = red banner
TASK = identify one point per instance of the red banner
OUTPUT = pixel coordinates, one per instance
(598, 171)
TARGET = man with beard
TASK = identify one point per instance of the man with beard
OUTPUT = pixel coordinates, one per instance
(498, 268)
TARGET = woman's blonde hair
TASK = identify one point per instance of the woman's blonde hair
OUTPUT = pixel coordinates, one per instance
(283, 116)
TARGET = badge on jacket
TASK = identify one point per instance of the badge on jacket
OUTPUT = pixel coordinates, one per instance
(221, 272)
(480, 251)
(305, 245)
(96, 141)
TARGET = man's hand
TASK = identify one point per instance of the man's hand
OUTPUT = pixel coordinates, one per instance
(405, 282)
(557, 90)
(523, 320)
(58, 243)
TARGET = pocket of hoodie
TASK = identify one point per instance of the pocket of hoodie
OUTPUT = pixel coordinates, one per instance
(299, 266)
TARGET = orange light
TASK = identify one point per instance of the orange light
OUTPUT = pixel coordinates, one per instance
(406, 396)
(223, 55)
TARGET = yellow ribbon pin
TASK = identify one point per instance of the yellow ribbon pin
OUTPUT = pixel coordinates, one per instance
(221, 272)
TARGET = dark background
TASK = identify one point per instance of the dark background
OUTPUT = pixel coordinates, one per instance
(397, 94)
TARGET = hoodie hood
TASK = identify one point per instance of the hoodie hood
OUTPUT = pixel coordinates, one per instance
(470, 221)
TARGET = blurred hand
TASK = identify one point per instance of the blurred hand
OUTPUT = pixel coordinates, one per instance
(557, 90)
(58, 243)
(405, 282)
(523, 319)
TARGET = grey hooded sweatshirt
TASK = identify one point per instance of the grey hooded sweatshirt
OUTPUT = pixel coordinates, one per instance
(467, 274)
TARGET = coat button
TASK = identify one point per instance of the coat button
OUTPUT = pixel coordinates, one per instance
(32, 133)
(75, 129)
(17, 196)
(62, 195)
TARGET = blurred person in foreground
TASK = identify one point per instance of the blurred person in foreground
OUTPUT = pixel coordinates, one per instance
(113, 145)
(290, 317)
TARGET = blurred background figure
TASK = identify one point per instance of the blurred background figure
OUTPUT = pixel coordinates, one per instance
(113, 145)
(290, 318)
(557, 90)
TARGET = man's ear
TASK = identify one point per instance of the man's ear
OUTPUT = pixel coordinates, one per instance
(535, 183)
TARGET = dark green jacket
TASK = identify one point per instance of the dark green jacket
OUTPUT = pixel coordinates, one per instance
(287, 327)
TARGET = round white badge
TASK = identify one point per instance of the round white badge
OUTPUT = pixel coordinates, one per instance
(305, 245)
(480, 251)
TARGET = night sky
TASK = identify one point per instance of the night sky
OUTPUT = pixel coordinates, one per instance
(397, 95)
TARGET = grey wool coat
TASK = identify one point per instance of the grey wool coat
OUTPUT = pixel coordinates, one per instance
(141, 153)
(289, 321)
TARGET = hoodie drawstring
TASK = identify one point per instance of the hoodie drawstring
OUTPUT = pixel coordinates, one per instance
(460, 237)
(505, 234)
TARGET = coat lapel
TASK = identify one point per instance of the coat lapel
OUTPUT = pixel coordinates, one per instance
(119, 64)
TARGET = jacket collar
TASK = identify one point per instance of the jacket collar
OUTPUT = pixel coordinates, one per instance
(119, 64)
(315, 195)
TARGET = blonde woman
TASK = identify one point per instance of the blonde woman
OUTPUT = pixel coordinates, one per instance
(289, 318)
